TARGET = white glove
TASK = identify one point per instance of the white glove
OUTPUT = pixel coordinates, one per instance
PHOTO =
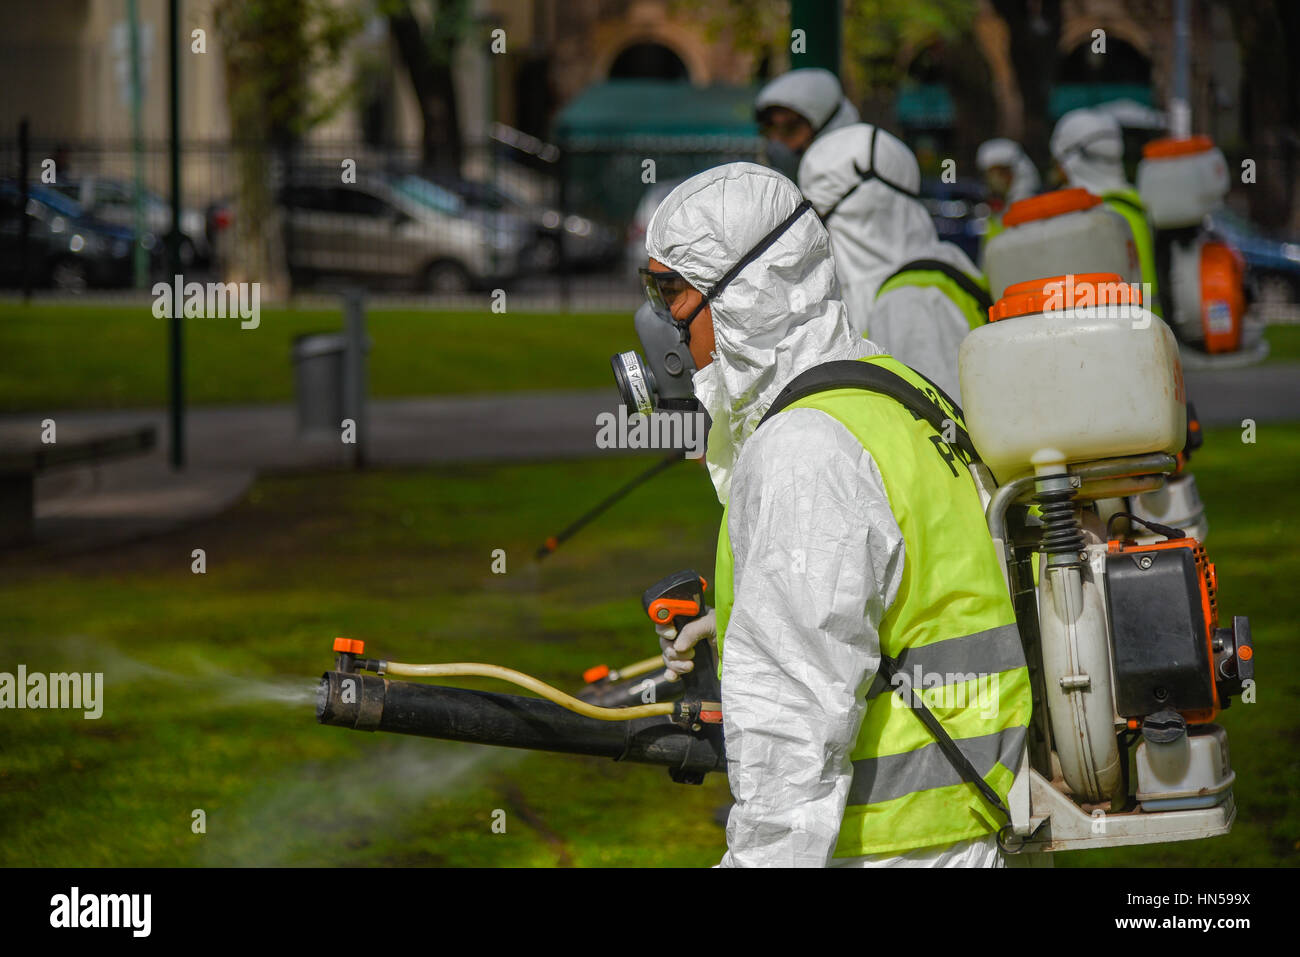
(679, 650)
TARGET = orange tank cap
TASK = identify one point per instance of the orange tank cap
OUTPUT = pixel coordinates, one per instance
(354, 645)
(1174, 147)
(1064, 292)
(1056, 203)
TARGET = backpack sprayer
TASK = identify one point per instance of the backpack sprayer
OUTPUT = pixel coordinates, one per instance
(1122, 637)
(1202, 279)
(1127, 659)
(1070, 231)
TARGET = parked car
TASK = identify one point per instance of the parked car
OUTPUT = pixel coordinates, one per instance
(113, 201)
(399, 230)
(586, 244)
(66, 249)
(1272, 264)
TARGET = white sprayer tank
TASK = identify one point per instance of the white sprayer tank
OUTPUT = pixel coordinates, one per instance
(1071, 369)
(1068, 230)
(1181, 180)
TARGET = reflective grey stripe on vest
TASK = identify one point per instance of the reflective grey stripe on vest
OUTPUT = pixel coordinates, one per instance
(983, 653)
(895, 775)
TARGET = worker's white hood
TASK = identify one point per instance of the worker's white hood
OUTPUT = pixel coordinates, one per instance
(1089, 147)
(1009, 153)
(779, 316)
(876, 228)
(814, 94)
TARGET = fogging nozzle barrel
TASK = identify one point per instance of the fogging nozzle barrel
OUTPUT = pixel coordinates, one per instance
(374, 703)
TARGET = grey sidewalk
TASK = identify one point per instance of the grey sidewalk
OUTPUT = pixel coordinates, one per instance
(230, 445)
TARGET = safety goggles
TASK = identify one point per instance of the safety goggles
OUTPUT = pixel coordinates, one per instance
(788, 127)
(664, 287)
(868, 175)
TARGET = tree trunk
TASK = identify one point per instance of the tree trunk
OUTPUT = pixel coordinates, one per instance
(429, 65)
(1035, 30)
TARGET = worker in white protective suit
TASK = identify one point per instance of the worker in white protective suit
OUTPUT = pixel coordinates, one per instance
(912, 294)
(1088, 146)
(834, 561)
(795, 109)
(1010, 176)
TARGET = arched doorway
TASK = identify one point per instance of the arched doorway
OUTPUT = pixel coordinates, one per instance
(648, 61)
(1121, 63)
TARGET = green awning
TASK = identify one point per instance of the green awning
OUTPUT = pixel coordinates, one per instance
(1073, 96)
(622, 109)
(929, 105)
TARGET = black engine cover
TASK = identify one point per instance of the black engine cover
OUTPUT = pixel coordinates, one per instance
(1158, 632)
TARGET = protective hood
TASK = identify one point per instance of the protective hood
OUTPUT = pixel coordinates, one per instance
(1089, 146)
(876, 227)
(814, 94)
(778, 316)
(1004, 152)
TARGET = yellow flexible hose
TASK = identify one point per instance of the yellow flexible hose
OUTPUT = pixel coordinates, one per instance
(470, 669)
(637, 668)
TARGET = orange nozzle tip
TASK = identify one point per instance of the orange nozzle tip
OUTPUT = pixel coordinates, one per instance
(595, 674)
(1132, 724)
(354, 645)
(552, 544)
(1246, 653)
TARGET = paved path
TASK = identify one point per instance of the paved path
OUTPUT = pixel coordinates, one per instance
(230, 445)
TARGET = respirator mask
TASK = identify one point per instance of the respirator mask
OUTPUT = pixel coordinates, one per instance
(662, 379)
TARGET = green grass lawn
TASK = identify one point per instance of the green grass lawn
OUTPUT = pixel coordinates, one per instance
(209, 678)
(64, 356)
(1283, 343)
(72, 356)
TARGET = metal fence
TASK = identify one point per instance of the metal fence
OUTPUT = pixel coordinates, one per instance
(561, 231)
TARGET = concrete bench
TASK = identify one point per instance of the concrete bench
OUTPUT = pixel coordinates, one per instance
(23, 455)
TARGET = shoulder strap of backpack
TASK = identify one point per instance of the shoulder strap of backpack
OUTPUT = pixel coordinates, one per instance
(1124, 201)
(853, 374)
(963, 281)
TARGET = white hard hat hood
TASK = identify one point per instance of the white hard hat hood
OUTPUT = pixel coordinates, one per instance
(814, 94)
(1009, 153)
(779, 316)
(875, 228)
(1089, 146)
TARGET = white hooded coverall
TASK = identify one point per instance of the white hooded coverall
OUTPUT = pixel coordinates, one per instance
(802, 644)
(814, 94)
(1089, 146)
(876, 228)
(1009, 153)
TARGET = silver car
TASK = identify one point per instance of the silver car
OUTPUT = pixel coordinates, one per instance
(400, 231)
